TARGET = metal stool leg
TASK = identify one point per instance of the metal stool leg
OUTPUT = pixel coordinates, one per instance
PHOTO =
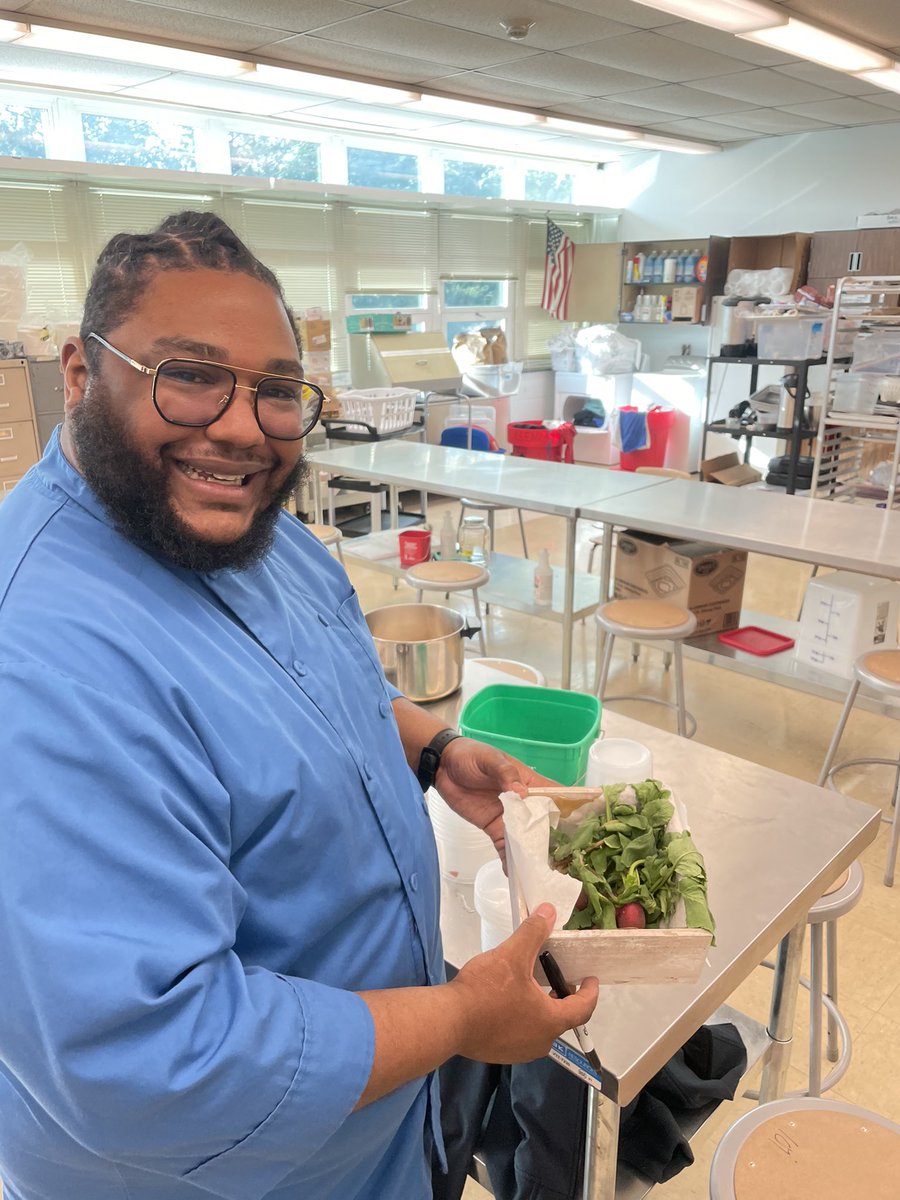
(340, 553)
(815, 1010)
(604, 666)
(490, 519)
(635, 651)
(838, 733)
(593, 550)
(667, 659)
(895, 838)
(522, 531)
(418, 595)
(831, 985)
(679, 689)
(480, 620)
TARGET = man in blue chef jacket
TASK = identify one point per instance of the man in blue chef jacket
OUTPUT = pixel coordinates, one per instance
(222, 970)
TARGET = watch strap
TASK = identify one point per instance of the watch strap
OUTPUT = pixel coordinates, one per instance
(430, 758)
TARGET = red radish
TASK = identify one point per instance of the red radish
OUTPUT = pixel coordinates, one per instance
(631, 916)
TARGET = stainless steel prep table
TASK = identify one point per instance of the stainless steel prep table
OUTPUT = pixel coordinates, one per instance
(559, 489)
(762, 881)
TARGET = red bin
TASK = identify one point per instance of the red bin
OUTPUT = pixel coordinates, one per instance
(659, 426)
(532, 439)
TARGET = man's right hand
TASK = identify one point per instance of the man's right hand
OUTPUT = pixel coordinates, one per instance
(506, 1015)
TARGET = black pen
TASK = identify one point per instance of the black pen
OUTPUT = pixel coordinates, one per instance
(562, 989)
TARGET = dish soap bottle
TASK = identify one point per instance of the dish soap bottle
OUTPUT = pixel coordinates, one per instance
(448, 538)
(543, 581)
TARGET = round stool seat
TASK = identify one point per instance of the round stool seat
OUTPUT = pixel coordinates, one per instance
(650, 618)
(447, 576)
(879, 668)
(843, 895)
(328, 535)
(518, 671)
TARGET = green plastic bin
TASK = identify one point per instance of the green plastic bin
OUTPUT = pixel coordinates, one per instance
(548, 729)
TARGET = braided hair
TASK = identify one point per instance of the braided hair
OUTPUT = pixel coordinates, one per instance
(184, 241)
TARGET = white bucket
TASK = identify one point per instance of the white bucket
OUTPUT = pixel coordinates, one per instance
(492, 903)
(462, 848)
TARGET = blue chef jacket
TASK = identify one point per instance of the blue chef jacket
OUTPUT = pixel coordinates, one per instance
(209, 840)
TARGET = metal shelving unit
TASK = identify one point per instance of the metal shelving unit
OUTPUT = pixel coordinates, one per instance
(844, 438)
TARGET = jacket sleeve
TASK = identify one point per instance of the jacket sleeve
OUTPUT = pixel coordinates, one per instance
(126, 1014)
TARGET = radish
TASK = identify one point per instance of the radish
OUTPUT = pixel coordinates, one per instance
(631, 916)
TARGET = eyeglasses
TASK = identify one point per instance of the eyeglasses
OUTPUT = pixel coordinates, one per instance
(194, 392)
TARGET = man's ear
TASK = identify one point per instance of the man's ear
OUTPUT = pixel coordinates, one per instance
(75, 371)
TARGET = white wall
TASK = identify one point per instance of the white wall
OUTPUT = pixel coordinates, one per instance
(805, 182)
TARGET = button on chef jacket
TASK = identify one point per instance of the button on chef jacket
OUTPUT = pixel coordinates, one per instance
(210, 840)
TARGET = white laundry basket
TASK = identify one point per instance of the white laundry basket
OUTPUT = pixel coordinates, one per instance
(385, 409)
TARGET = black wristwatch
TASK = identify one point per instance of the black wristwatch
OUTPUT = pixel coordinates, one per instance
(430, 758)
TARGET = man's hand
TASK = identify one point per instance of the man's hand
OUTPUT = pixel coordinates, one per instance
(471, 777)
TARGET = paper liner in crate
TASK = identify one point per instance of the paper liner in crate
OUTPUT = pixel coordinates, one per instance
(668, 954)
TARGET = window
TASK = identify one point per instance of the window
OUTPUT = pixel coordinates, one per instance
(386, 302)
(473, 304)
(548, 185)
(120, 140)
(380, 169)
(475, 293)
(21, 132)
(273, 158)
(472, 179)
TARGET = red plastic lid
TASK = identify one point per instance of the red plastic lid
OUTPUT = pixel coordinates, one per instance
(755, 640)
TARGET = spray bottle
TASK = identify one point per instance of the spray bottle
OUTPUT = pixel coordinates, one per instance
(543, 581)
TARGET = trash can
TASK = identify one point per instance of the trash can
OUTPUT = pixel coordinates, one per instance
(533, 439)
(659, 426)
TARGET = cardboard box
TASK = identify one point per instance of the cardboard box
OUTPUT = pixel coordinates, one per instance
(315, 336)
(709, 580)
(728, 469)
(687, 304)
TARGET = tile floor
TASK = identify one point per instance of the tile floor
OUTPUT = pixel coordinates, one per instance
(782, 728)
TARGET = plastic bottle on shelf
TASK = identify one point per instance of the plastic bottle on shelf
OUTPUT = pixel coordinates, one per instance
(659, 267)
(679, 269)
(692, 266)
(640, 268)
(670, 267)
(448, 537)
(649, 267)
(543, 581)
(629, 270)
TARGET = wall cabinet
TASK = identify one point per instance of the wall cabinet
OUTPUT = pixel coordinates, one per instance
(31, 406)
(848, 252)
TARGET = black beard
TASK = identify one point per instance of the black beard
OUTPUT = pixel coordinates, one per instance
(134, 491)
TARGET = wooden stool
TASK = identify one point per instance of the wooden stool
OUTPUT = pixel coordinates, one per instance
(451, 576)
(489, 508)
(646, 621)
(809, 1149)
(328, 535)
(843, 895)
(880, 671)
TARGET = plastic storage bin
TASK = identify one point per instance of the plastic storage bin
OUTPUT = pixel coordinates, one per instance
(844, 615)
(532, 439)
(550, 730)
(877, 352)
(855, 393)
(385, 409)
(495, 379)
(660, 422)
(790, 337)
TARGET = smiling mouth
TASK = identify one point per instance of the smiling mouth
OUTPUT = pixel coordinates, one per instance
(192, 472)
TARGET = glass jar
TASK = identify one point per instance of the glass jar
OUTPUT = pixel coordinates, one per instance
(473, 540)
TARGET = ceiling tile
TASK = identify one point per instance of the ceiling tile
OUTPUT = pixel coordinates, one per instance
(16, 5)
(685, 101)
(391, 33)
(776, 120)
(319, 53)
(709, 131)
(624, 10)
(883, 99)
(849, 111)
(656, 57)
(44, 67)
(606, 110)
(291, 16)
(554, 26)
(348, 111)
(148, 19)
(228, 96)
(571, 75)
(765, 88)
(833, 81)
(751, 53)
(872, 21)
(491, 87)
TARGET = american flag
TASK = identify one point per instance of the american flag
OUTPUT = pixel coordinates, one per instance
(557, 272)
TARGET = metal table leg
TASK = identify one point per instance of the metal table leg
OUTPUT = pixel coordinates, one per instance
(568, 603)
(601, 1147)
(781, 1014)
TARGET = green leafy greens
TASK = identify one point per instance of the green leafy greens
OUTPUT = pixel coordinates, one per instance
(624, 854)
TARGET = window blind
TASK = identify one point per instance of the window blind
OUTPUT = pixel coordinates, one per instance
(112, 210)
(38, 216)
(388, 250)
(479, 246)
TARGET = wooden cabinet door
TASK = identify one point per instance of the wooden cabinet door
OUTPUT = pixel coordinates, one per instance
(853, 252)
(596, 283)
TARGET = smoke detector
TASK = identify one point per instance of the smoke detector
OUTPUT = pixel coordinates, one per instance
(517, 30)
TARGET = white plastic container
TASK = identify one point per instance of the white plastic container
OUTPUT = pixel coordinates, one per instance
(790, 337)
(495, 379)
(462, 849)
(844, 615)
(493, 904)
(855, 393)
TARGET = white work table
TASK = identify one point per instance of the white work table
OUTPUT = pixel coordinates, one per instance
(763, 879)
(559, 489)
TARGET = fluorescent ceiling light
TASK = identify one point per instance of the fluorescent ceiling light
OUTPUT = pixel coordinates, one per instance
(806, 41)
(328, 85)
(471, 111)
(170, 58)
(606, 132)
(734, 16)
(13, 31)
(889, 78)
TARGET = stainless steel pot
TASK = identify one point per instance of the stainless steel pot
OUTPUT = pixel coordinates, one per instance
(421, 648)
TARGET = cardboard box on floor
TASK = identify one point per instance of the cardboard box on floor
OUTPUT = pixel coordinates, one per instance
(728, 469)
(709, 580)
